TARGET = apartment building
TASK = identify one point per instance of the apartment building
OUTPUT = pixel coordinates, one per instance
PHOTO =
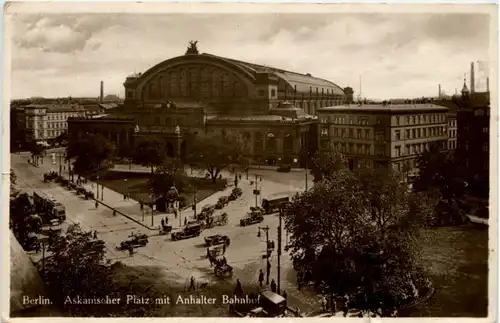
(44, 122)
(382, 135)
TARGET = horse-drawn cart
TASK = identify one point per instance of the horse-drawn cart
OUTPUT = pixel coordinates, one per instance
(222, 269)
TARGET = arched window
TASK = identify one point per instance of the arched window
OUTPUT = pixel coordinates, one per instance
(258, 141)
(271, 141)
(288, 142)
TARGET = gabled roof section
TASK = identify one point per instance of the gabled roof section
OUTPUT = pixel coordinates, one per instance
(303, 82)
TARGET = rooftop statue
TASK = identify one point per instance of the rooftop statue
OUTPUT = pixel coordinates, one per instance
(192, 49)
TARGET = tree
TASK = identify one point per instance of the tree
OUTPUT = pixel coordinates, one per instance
(440, 175)
(93, 153)
(214, 152)
(357, 233)
(21, 219)
(324, 163)
(149, 152)
(36, 151)
(169, 173)
(62, 138)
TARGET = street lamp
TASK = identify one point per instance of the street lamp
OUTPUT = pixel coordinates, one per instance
(268, 249)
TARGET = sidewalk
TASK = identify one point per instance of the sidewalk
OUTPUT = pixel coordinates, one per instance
(131, 208)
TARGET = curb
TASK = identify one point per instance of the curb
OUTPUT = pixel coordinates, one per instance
(120, 212)
(125, 215)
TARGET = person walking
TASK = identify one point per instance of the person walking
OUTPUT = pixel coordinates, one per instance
(273, 286)
(191, 285)
(261, 277)
(162, 223)
(130, 250)
(224, 248)
(285, 295)
(124, 197)
(95, 234)
(96, 204)
(185, 221)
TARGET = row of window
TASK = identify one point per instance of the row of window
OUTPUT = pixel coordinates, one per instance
(63, 115)
(170, 121)
(57, 125)
(452, 133)
(486, 146)
(335, 119)
(452, 144)
(421, 119)
(414, 149)
(352, 148)
(348, 133)
(417, 133)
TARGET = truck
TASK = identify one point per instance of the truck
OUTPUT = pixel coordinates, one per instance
(252, 217)
(49, 208)
(273, 205)
(192, 229)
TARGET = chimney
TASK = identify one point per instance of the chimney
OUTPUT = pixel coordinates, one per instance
(101, 99)
(439, 95)
(472, 80)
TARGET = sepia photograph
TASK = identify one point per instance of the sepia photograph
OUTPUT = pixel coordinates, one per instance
(253, 160)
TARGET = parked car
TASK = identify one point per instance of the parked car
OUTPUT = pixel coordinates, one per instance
(284, 168)
(192, 229)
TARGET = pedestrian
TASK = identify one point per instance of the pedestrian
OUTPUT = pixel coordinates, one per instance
(240, 177)
(166, 220)
(130, 250)
(324, 303)
(96, 204)
(124, 197)
(238, 290)
(95, 234)
(162, 223)
(297, 312)
(185, 221)
(261, 277)
(285, 294)
(268, 272)
(114, 212)
(273, 286)
(191, 286)
(235, 182)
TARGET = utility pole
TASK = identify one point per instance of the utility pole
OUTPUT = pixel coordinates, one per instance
(306, 175)
(256, 190)
(194, 200)
(153, 207)
(279, 250)
(266, 230)
(60, 163)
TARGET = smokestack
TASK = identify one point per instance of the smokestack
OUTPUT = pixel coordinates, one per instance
(472, 80)
(101, 99)
(439, 95)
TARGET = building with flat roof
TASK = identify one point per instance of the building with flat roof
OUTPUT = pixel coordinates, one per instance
(45, 122)
(383, 135)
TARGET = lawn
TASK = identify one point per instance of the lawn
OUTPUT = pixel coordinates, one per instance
(457, 258)
(136, 184)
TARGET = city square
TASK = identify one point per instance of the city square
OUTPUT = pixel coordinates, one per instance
(214, 187)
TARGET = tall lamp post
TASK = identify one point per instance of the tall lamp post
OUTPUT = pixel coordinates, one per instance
(268, 249)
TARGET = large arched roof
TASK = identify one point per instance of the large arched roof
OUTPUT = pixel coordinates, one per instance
(302, 82)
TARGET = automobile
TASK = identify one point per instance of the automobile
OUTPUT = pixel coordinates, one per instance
(235, 193)
(31, 243)
(216, 240)
(273, 205)
(269, 304)
(252, 217)
(136, 240)
(223, 201)
(285, 168)
(192, 229)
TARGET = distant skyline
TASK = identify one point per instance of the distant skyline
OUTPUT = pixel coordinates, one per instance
(398, 55)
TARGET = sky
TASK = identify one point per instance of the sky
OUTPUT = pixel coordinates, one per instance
(396, 55)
